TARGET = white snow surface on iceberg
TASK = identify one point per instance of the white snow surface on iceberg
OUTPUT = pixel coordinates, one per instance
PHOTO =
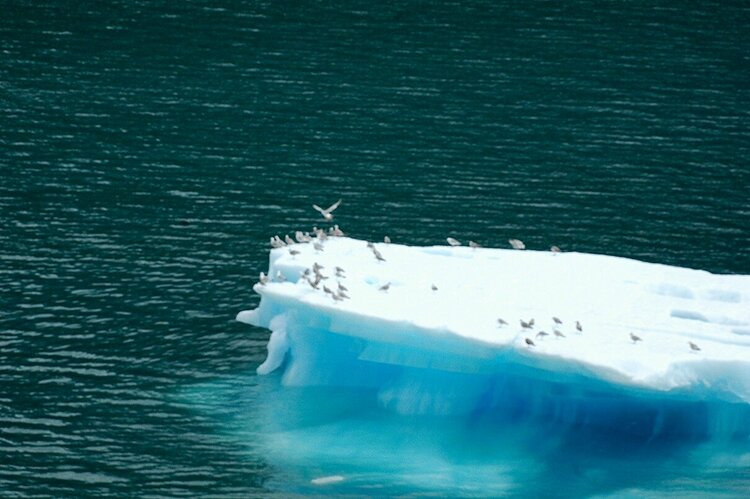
(442, 351)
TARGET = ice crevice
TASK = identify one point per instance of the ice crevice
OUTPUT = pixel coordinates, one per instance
(418, 331)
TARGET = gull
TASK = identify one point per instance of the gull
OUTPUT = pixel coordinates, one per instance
(313, 284)
(326, 289)
(517, 244)
(288, 239)
(554, 249)
(453, 242)
(317, 267)
(558, 334)
(341, 295)
(385, 287)
(327, 212)
(474, 245)
(263, 279)
(377, 254)
(317, 246)
(433, 287)
(302, 238)
(338, 297)
(579, 328)
(530, 342)
(335, 231)
(694, 347)
(527, 325)
(556, 320)
(635, 338)
(339, 272)
(277, 243)
(342, 287)
(501, 322)
(541, 334)
(293, 252)
(387, 240)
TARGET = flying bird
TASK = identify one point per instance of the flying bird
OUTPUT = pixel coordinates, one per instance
(517, 244)
(327, 212)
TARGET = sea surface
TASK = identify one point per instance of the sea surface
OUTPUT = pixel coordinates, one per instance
(148, 150)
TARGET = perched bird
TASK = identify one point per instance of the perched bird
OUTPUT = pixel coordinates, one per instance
(541, 334)
(335, 231)
(342, 287)
(517, 244)
(531, 322)
(327, 212)
(263, 279)
(377, 254)
(635, 338)
(387, 240)
(317, 246)
(338, 297)
(385, 287)
(694, 347)
(579, 328)
(527, 325)
(326, 289)
(558, 334)
(293, 252)
(474, 245)
(288, 239)
(556, 320)
(339, 272)
(341, 295)
(302, 238)
(433, 287)
(276, 242)
(501, 322)
(453, 242)
(554, 249)
(313, 284)
(317, 267)
(530, 342)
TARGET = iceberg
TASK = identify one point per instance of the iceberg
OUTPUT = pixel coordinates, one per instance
(543, 342)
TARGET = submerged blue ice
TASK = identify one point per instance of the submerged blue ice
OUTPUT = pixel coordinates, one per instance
(413, 361)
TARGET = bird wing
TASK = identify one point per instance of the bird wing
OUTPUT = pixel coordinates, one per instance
(321, 210)
(333, 206)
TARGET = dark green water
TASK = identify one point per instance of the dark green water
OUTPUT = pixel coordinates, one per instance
(149, 150)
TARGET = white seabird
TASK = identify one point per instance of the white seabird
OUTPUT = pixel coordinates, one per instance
(327, 212)
(453, 242)
(517, 244)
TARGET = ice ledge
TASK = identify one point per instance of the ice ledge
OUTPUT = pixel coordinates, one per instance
(435, 310)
